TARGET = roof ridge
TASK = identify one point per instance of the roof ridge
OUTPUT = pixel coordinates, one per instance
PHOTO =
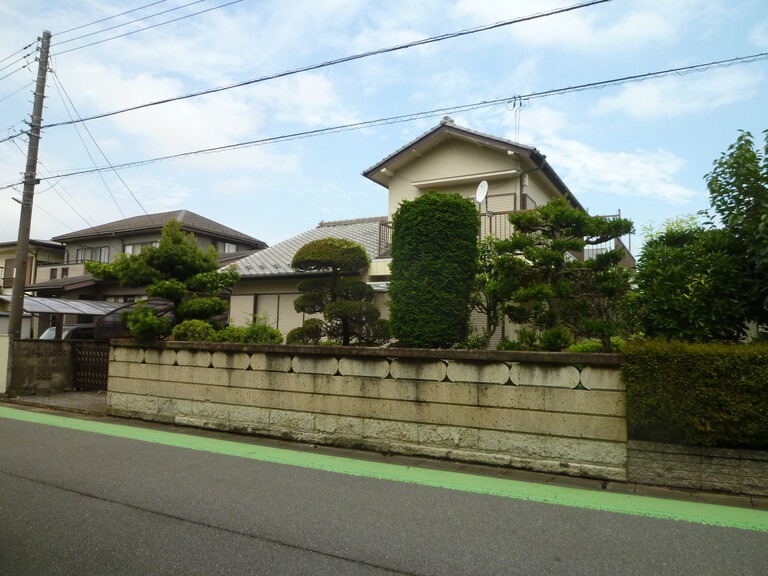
(324, 224)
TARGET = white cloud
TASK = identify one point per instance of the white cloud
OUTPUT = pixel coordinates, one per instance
(592, 173)
(590, 28)
(759, 35)
(674, 95)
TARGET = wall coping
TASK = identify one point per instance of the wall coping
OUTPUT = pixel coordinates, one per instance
(591, 359)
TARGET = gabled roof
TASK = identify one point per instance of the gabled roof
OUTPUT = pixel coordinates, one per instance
(67, 283)
(190, 221)
(276, 260)
(40, 243)
(447, 129)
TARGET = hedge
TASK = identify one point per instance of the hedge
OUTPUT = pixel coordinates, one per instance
(434, 260)
(697, 394)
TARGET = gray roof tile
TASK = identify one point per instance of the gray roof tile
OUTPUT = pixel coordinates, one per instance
(190, 220)
(276, 260)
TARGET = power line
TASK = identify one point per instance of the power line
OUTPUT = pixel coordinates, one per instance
(425, 114)
(27, 47)
(60, 89)
(342, 60)
(107, 18)
(151, 27)
(131, 22)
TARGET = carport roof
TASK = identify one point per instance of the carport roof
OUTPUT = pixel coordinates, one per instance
(36, 305)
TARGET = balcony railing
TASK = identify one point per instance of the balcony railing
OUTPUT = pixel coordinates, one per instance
(497, 224)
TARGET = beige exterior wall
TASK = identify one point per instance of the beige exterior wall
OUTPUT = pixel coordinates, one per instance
(492, 408)
(5, 355)
(458, 166)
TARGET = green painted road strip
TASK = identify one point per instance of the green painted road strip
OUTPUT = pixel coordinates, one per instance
(710, 514)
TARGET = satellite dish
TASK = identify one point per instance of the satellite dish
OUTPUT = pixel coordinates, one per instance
(482, 191)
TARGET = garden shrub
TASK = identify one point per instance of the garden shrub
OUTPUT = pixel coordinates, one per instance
(434, 261)
(144, 324)
(310, 333)
(697, 394)
(592, 346)
(555, 339)
(193, 331)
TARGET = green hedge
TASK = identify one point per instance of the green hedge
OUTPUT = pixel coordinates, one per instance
(697, 394)
(434, 260)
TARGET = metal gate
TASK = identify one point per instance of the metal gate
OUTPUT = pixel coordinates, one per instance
(90, 365)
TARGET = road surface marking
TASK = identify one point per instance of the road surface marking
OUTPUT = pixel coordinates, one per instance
(710, 514)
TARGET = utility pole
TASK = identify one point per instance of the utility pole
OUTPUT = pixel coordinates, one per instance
(30, 179)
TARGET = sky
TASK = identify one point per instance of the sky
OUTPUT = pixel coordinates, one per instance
(641, 148)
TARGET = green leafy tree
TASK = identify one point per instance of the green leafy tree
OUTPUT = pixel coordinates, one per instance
(693, 283)
(434, 261)
(177, 269)
(559, 290)
(738, 193)
(497, 279)
(346, 303)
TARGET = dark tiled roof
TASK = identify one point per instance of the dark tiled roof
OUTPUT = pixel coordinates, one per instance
(41, 243)
(191, 222)
(64, 283)
(448, 128)
(276, 260)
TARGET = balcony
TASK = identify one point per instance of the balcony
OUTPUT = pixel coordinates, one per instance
(497, 224)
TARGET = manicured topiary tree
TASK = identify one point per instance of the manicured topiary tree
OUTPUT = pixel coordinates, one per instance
(177, 269)
(346, 303)
(434, 260)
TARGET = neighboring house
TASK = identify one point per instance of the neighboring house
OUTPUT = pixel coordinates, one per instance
(40, 253)
(449, 159)
(268, 283)
(68, 279)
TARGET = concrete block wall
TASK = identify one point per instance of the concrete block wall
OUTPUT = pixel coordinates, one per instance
(699, 468)
(538, 411)
(40, 367)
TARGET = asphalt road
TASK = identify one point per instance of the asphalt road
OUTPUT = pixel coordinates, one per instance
(93, 501)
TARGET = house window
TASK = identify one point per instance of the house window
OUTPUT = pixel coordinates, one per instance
(54, 273)
(225, 247)
(100, 254)
(81, 254)
(137, 247)
(65, 272)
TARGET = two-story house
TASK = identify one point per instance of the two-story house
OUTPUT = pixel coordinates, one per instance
(40, 253)
(447, 158)
(67, 278)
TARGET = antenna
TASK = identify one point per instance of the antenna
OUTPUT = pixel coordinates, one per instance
(482, 192)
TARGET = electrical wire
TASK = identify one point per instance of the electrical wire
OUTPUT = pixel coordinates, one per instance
(62, 93)
(16, 92)
(108, 18)
(150, 27)
(425, 114)
(27, 47)
(342, 60)
(80, 213)
(129, 23)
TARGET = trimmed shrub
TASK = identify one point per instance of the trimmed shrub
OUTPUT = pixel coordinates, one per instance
(230, 334)
(594, 346)
(434, 261)
(261, 333)
(697, 394)
(144, 324)
(201, 308)
(193, 331)
(310, 333)
(555, 339)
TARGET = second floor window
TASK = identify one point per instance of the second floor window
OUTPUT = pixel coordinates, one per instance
(225, 247)
(81, 254)
(100, 254)
(137, 247)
